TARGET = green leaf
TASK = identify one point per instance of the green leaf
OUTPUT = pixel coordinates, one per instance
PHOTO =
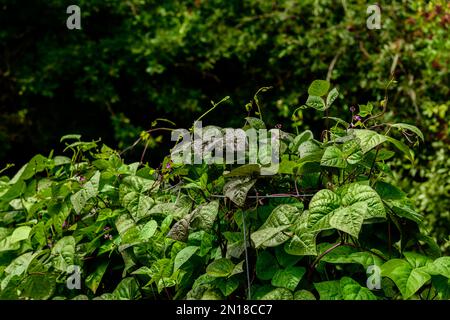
(407, 278)
(37, 164)
(321, 205)
(183, 256)
(228, 285)
(14, 191)
(402, 147)
(352, 290)
(440, 266)
(302, 244)
(278, 294)
(416, 260)
(433, 250)
(70, 137)
(148, 230)
(270, 234)
(17, 267)
(339, 121)
(285, 259)
(94, 279)
(405, 126)
(220, 268)
(384, 154)
(245, 170)
(180, 230)
(203, 216)
(236, 189)
(389, 192)
(333, 157)
(298, 140)
(287, 167)
(365, 110)
(80, 297)
(130, 238)
(329, 290)
(64, 253)
(127, 289)
(355, 157)
(346, 254)
(266, 267)
(20, 233)
(88, 191)
(133, 195)
(368, 139)
(105, 296)
(404, 210)
(288, 278)
(123, 223)
(332, 95)
(212, 294)
(310, 149)
(256, 123)
(319, 88)
(178, 209)
(137, 204)
(137, 184)
(38, 286)
(346, 209)
(358, 193)
(304, 295)
(239, 268)
(442, 286)
(349, 219)
(316, 103)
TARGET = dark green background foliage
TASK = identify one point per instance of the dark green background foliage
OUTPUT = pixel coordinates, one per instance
(135, 61)
(184, 231)
(138, 60)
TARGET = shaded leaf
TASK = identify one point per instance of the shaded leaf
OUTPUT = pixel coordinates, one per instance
(316, 102)
(220, 268)
(127, 289)
(288, 278)
(266, 267)
(236, 189)
(183, 256)
(333, 157)
(304, 295)
(94, 279)
(278, 294)
(319, 88)
(332, 96)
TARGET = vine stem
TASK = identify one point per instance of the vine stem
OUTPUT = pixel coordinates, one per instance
(246, 257)
(384, 102)
(215, 105)
(336, 245)
(373, 163)
(325, 253)
(275, 195)
(313, 265)
(140, 139)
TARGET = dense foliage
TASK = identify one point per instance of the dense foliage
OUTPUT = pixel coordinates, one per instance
(315, 230)
(138, 60)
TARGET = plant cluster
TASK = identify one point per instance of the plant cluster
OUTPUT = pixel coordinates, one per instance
(218, 231)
